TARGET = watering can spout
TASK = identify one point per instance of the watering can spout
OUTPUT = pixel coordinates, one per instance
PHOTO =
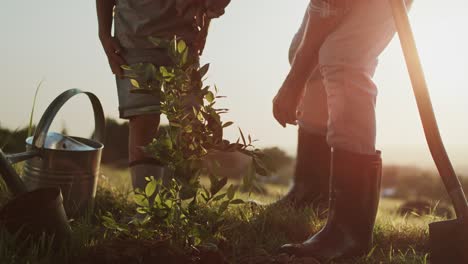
(10, 176)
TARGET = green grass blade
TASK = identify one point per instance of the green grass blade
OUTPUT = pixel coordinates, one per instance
(31, 117)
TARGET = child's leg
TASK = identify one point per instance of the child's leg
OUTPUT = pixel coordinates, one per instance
(142, 131)
(143, 113)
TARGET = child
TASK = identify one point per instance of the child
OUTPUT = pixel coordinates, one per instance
(135, 21)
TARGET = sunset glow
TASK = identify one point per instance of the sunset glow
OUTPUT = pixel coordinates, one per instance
(56, 41)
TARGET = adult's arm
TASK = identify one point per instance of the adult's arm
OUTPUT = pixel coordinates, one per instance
(285, 103)
(306, 59)
(297, 39)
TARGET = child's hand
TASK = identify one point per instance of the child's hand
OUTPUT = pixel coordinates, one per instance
(114, 55)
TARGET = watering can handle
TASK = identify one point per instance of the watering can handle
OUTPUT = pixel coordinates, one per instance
(50, 113)
(421, 92)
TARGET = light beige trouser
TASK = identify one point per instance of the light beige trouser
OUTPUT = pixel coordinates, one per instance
(340, 97)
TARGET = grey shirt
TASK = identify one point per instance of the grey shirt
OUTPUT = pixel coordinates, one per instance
(136, 20)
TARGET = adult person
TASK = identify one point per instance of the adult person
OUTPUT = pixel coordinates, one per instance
(343, 39)
(134, 22)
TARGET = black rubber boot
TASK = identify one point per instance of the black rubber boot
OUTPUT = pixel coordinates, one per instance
(312, 173)
(354, 198)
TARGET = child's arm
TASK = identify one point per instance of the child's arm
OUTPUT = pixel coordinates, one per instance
(104, 14)
(111, 46)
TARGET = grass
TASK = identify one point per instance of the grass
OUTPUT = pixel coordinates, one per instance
(248, 234)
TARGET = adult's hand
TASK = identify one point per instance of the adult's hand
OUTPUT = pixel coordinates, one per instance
(114, 54)
(285, 103)
(316, 30)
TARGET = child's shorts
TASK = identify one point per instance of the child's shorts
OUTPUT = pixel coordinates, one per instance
(135, 104)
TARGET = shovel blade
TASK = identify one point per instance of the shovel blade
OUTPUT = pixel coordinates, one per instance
(448, 242)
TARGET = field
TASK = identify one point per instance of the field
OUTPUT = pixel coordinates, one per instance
(244, 234)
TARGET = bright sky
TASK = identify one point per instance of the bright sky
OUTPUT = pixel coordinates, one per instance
(56, 41)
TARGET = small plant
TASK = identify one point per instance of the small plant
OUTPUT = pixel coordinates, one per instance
(195, 128)
(195, 125)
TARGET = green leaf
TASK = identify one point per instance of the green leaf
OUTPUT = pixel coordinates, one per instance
(205, 197)
(188, 129)
(228, 124)
(169, 204)
(204, 70)
(168, 76)
(150, 188)
(215, 188)
(135, 83)
(167, 142)
(237, 201)
(174, 124)
(231, 192)
(157, 199)
(185, 57)
(219, 197)
(141, 200)
(210, 97)
(243, 138)
(192, 205)
(260, 167)
(126, 67)
(163, 71)
(141, 210)
(181, 46)
(222, 208)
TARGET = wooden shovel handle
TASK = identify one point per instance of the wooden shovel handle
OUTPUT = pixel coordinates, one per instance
(426, 111)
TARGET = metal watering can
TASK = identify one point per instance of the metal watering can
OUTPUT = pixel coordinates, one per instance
(69, 163)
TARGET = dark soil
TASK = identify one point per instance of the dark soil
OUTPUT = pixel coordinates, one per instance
(133, 251)
(129, 251)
